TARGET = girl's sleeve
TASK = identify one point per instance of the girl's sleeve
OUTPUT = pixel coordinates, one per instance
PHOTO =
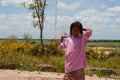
(87, 34)
(62, 45)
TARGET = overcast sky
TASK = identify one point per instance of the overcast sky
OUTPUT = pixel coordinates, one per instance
(102, 16)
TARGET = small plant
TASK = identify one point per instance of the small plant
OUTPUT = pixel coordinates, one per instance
(12, 38)
(27, 38)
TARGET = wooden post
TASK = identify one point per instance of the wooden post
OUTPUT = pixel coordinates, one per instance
(55, 42)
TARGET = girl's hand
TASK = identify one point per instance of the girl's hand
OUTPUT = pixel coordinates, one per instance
(85, 29)
(64, 35)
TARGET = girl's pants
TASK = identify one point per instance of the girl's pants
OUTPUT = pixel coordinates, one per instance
(75, 75)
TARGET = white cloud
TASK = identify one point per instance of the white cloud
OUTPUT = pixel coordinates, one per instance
(72, 6)
(87, 13)
(17, 24)
(2, 16)
(102, 23)
(117, 20)
(13, 2)
(92, 16)
(115, 9)
(63, 23)
(105, 24)
(103, 6)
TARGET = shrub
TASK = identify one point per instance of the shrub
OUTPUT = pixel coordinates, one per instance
(98, 53)
(27, 38)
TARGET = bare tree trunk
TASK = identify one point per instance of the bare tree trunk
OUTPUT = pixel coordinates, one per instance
(41, 37)
(42, 23)
(40, 16)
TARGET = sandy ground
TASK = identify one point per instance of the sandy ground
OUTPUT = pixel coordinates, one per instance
(26, 75)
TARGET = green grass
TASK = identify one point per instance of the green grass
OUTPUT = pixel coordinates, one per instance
(104, 44)
(111, 62)
(29, 62)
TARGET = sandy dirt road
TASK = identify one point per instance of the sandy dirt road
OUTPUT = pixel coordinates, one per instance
(26, 75)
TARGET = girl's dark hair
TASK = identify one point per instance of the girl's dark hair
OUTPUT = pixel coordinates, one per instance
(76, 24)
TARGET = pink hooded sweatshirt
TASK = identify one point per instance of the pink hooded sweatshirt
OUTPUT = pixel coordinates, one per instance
(75, 57)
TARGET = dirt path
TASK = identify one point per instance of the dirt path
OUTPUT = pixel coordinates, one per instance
(25, 75)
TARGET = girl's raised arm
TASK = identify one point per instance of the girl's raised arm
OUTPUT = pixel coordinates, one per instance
(62, 37)
(62, 41)
(87, 34)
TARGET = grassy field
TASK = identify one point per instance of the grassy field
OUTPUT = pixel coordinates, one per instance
(104, 44)
(92, 43)
(28, 56)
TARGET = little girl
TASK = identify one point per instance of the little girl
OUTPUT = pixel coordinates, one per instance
(74, 46)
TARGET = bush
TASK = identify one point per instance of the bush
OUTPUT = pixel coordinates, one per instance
(100, 53)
